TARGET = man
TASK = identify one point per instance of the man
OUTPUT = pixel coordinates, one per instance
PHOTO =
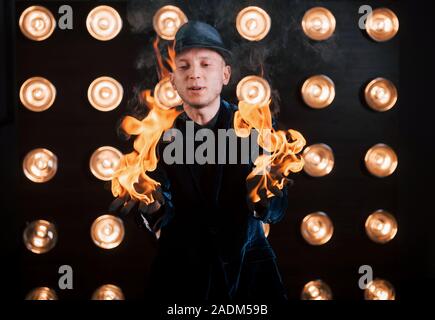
(212, 246)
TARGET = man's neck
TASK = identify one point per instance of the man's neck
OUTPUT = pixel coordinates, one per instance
(205, 114)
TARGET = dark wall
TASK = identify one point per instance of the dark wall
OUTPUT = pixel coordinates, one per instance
(72, 129)
(10, 237)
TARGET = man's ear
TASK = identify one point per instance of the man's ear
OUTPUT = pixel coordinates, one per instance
(227, 74)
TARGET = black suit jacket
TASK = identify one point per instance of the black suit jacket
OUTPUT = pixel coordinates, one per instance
(211, 247)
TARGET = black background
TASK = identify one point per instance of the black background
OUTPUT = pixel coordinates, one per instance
(72, 129)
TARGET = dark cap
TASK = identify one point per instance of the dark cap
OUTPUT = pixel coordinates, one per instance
(197, 34)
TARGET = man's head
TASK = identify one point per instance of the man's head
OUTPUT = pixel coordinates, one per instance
(201, 64)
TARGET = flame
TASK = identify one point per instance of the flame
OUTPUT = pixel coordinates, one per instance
(131, 177)
(171, 59)
(162, 71)
(270, 169)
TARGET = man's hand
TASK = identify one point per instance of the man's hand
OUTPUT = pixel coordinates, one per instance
(260, 208)
(125, 206)
(263, 192)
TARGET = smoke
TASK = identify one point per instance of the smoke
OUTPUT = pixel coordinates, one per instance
(140, 14)
(285, 49)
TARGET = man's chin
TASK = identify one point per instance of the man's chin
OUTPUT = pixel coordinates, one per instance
(197, 104)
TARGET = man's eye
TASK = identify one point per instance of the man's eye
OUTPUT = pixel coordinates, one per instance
(183, 67)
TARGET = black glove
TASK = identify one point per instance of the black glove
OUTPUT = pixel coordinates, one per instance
(145, 215)
(261, 208)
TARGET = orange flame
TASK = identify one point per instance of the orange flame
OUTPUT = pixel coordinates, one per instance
(131, 177)
(162, 70)
(171, 59)
(271, 169)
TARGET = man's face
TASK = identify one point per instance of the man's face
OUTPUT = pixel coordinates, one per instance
(199, 76)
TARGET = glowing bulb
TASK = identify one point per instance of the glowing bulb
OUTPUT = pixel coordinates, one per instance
(253, 23)
(380, 94)
(382, 24)
(105, 93)
(379, 289)
(319, 160)
(167, 20)
(103, 23)
(316, 290)
(318, 91)
(108, 292)
(37, 23)
(253, 90)
(317, 228)
(104, 162)
(318, 23)
(107, 231)
(40, 236)
(165, 96)
(40, 165)
(37, 94)
(41, 293)
(381, 160)
(381, 226)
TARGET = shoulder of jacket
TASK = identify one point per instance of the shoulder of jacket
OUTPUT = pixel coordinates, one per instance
(230, 106)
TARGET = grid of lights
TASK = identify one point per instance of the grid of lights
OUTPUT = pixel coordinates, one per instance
(104, 23)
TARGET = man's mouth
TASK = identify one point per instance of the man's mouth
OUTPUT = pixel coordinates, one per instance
(196, 88)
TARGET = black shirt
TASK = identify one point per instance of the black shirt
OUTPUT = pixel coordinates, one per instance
(205, 173)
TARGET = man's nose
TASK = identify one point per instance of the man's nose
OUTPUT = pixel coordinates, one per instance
(195, 72)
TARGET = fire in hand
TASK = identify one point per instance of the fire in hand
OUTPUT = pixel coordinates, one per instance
(281, 148)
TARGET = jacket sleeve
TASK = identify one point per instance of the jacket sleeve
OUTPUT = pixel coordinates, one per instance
(158, 219)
